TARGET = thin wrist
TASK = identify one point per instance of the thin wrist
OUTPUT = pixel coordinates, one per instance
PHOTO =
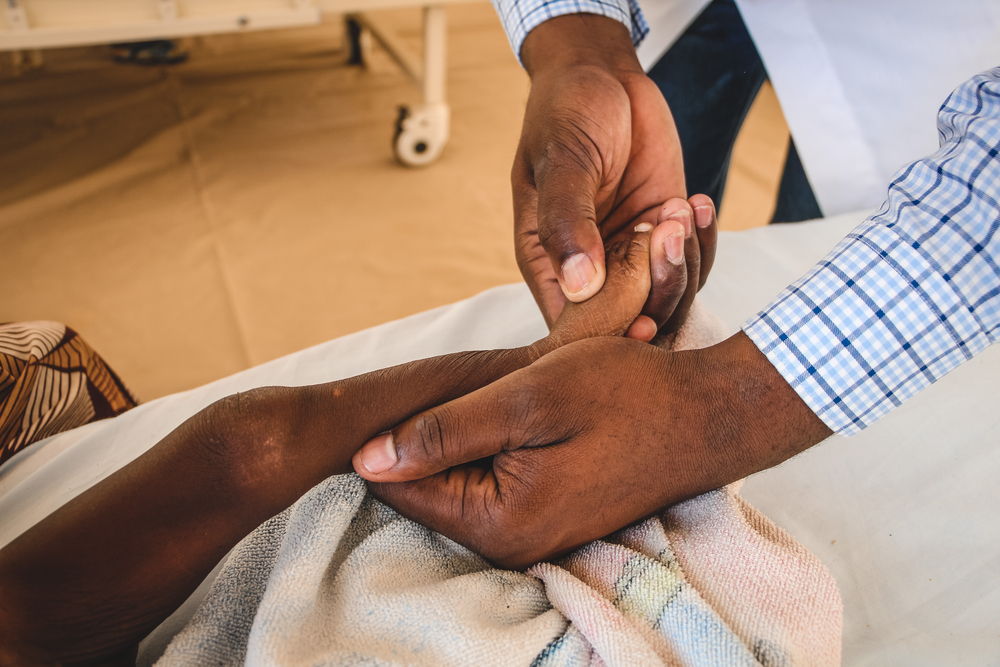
(580, 40)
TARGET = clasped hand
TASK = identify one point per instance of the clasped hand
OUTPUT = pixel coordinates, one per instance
(597, 432)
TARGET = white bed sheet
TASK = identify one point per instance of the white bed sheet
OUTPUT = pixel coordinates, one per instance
(905, 514)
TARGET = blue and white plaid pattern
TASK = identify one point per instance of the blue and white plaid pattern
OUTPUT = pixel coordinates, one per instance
(519, 17)
(911, 293)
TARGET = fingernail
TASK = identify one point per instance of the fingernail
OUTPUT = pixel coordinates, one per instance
(679, 213)
(643, 227)
(673, 244)
(379, 454)
(703, 216)
(577, 272)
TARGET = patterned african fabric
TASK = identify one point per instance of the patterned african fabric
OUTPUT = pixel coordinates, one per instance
(51, 381)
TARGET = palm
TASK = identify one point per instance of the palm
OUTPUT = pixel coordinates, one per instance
(627, 136)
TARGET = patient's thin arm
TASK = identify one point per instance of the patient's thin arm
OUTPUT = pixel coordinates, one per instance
(89, 581)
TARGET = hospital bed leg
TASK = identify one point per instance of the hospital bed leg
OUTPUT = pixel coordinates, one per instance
(354, 41)
(422, 132)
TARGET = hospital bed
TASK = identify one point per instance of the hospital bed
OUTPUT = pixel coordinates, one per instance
(420, 132)
(904, 514)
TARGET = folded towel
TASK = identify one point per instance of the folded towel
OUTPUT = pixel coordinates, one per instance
(341, 578)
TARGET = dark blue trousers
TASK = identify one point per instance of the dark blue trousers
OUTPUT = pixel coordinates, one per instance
(710, 77)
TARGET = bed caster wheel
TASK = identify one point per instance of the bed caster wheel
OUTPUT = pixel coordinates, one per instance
(420, 134)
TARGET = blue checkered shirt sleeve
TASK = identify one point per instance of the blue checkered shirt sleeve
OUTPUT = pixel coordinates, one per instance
(519, 17)
(911, 293)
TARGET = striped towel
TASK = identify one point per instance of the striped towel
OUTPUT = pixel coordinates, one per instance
(340, 578)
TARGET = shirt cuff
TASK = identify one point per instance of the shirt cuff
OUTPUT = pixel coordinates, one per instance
(519, 17)
(868, 327)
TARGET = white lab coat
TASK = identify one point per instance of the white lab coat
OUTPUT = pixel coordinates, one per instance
(859, 81)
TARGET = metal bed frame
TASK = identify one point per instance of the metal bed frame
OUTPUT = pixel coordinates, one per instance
(420, 132)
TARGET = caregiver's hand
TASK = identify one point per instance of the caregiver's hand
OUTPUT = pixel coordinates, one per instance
(587, 439)
(598, 152)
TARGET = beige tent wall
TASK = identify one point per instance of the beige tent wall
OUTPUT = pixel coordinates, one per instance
(195, 220)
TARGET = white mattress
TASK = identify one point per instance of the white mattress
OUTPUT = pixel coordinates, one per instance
(905, 514)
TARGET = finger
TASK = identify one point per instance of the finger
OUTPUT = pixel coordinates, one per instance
(635, 272)
(642, 328)
(706, 228)
(626, 287)
(471, 427)
(668, 271)
(460, 503)
(567, 229)
(692, 262)
(678, 210)
(532, 260)
(465, 504)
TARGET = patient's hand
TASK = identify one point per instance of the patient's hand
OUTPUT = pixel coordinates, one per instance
(672, 257)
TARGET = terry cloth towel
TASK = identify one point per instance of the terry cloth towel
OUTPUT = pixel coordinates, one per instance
(340, 578)
(51, 381)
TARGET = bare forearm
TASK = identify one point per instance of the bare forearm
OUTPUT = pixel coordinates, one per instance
(89, 581)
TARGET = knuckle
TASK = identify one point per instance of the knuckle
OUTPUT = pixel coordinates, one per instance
(634, 259)
(561, 218)
(617, 251)
(525, 204)
(524, 404)
(522, 181)
(569, 146)
(430, 436)
(554, 234)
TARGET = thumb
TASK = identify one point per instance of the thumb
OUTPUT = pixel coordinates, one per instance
(614, 309)
(567, 228)
(466, 429)
(461, 503)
